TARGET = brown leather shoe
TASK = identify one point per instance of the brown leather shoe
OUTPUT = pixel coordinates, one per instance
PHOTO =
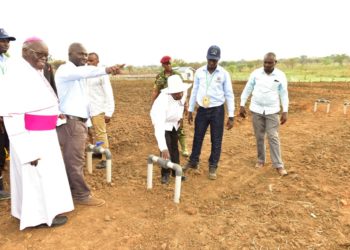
(91, 201)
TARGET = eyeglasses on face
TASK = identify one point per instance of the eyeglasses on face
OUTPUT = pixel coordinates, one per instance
(39, 54)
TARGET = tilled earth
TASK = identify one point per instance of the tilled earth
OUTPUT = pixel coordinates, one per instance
(244, 208)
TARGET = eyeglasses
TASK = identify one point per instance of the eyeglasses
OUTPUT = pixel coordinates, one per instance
(40, 54)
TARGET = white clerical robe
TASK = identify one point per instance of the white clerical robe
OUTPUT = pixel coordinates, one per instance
(38, 193)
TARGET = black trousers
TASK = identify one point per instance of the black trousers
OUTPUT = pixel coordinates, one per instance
(205, 117)
(4, 143)
(172, 139)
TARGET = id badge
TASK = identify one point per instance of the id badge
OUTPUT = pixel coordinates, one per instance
(206, 101)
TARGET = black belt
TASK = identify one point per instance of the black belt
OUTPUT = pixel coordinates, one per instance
(72, 117)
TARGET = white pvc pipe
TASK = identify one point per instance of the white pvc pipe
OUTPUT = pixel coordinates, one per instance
(315, 107)
(328, 107)
(109, 170)
(90, 150)
(149, 175)
(166, 164)
(89, 161)
(177, 191)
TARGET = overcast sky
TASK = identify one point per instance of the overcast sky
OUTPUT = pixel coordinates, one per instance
(140, 32)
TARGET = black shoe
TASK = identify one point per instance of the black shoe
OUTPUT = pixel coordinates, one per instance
(183, 178)
(164, 179)
(102, 164)
(59, 220)
(212, 173)
(4, 195)
(97, 155)
(190, 165)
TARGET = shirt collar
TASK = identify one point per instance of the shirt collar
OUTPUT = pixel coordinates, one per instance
(264, 73)
(3, 57)
(205, 68)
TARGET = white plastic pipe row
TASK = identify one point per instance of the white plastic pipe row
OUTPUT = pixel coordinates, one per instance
(324, 101)
(165, 164)
(98, 149)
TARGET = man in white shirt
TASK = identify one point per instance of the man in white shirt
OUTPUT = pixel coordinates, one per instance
(101, 105)
(166, 114)
(268, 86)
(72, 91)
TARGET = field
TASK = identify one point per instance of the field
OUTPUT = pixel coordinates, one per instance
(244, 208)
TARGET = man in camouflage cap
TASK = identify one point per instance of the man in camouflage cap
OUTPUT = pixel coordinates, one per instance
(160, 83)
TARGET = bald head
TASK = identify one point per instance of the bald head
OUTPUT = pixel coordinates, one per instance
(270, 55)
(36, 53)
(93, 59)
(77, 54)
(269, 62)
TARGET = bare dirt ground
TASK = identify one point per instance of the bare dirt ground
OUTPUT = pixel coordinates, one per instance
(244, 208)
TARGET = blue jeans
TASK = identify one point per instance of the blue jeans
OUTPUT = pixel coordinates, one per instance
(214, 117)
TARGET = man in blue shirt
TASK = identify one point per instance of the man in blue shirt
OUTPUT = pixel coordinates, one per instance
(211, 88)
(268, 86)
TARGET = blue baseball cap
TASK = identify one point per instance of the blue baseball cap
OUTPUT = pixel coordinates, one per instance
(4, 35)
(213, 53)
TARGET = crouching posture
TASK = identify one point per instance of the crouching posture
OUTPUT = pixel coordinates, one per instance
(166, 114)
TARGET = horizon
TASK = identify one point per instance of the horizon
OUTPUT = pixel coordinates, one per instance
(137, 32)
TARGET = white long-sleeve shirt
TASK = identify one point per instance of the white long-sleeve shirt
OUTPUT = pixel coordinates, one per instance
(72, 88)
(217, 86)
(269, 91)
(101, 95)
(166, 114)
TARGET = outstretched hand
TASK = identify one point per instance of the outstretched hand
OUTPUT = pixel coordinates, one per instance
(114, 70)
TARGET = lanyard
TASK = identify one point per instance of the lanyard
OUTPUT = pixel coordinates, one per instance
(3, 68)
(208, 81)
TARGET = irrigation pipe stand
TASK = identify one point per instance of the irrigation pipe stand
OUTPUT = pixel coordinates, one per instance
(322, 101)
(165, 164)
(346, 105)
(98, 149)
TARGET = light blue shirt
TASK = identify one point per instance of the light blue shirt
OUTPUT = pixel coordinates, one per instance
(217, 86)
(268, 91)
(3, 59)
(72, 88)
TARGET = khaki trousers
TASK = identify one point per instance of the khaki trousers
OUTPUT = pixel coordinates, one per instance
(99, 125)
